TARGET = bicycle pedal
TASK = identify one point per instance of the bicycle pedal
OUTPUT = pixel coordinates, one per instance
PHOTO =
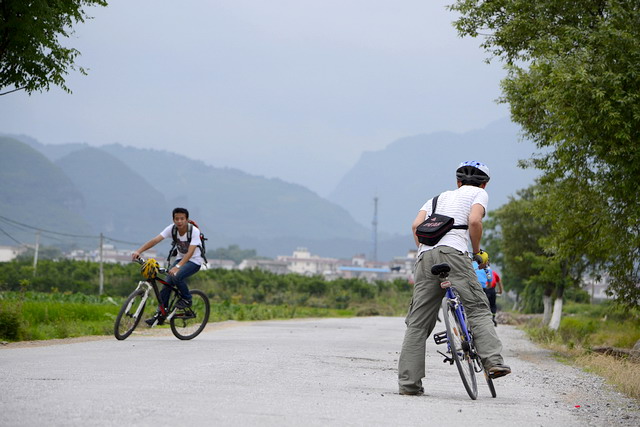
(446, 358)
(441, 337)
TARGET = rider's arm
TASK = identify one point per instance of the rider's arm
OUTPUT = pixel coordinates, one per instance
(475, 226)
(422, 215)
(151, 243)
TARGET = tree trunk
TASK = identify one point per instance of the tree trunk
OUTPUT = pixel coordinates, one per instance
(546, 316)
(557, 314)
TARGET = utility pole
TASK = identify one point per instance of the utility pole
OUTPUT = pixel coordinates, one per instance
(35, 254)
(101, 261)
(375, 228)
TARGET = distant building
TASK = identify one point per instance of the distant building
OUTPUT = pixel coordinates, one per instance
(8, 253)
(597, 289)
(225, 264)
(402, 267)
(110, 255)
(302, 262)
(274, 266)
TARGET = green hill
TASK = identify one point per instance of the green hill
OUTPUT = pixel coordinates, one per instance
(128, 193)
(36, 192)
(118, 201)
(234, 204)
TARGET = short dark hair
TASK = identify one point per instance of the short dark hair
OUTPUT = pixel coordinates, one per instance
(178, 211)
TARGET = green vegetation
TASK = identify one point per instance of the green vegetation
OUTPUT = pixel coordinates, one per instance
(61, 301)
(587, 327)
(573, 86)
(31, 56)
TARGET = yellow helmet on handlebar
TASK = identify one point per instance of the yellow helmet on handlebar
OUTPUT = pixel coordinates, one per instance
(481, 257)
(150, 269)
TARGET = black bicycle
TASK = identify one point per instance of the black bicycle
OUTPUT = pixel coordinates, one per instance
(186, 323)
(458, 336)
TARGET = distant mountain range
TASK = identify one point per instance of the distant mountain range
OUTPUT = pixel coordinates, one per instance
(128, 193)
(411, 170)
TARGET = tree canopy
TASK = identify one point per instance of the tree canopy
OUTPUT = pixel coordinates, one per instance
(573, 84)
(31, 54)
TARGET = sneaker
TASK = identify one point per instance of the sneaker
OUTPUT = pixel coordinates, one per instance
(418, 392)
(152, 320)
(498, 371)
(183, 303)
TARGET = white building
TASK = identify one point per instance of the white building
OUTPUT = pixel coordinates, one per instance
(110, 255)
(8, 253)
(302, 262)
(274, 266)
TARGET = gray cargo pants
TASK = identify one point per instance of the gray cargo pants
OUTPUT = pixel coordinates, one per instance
(423, 312)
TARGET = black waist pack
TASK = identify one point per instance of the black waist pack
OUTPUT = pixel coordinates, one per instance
(435, 226)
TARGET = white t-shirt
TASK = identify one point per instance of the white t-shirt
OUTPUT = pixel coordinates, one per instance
(456, 204)
(183, 245)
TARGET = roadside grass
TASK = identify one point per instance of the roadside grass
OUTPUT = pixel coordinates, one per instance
(622, 373)
(42, 316)
(586, 327)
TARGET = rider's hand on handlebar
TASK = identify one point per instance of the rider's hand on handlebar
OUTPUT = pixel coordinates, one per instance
(482, 258)
(135, 256)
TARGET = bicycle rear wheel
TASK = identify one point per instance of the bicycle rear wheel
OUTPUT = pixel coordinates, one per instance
(188, 323)
(130, 314)
(463, 360)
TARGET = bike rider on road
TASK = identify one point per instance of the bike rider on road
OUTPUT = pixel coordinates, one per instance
(188, 259)
(467, 205)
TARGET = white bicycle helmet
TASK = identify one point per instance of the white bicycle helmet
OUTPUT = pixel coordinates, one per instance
(473, 172)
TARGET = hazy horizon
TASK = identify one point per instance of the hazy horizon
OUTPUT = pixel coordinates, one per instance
(285, 89)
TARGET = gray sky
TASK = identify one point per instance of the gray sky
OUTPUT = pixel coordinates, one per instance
(294, 89)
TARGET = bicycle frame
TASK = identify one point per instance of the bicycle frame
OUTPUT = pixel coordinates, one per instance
(147, 286)
(460, 314)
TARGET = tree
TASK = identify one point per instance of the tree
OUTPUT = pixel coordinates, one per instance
(516, 234)
(573, 86)
(233, 253)
(31, 56)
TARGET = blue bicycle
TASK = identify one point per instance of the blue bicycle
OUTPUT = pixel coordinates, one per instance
(458, 336)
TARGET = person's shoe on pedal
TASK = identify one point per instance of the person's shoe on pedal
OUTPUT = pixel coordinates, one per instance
(152, 320)
(498, 371)
(183, 303)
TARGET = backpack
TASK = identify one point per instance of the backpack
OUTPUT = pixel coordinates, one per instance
(174, 234)
(432, 229)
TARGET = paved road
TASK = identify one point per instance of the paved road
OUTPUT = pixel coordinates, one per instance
(338, 372)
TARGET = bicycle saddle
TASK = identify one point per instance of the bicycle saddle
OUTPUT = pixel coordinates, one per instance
(440, 268)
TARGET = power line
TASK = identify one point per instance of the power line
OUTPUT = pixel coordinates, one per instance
(11, 221)
(18, 224)
(121, 241)
(11, 237)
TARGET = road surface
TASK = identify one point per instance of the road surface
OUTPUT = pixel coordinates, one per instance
(320, 372)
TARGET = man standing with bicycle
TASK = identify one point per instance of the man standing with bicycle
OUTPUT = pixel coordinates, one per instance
(187, 263)
(467, 206)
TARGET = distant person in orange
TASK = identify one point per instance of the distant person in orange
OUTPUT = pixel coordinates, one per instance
(493, 287)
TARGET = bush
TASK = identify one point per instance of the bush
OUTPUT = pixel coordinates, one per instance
(11, 324)
(575, 330)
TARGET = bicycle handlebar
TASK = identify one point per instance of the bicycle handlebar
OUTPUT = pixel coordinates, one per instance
(141, 261)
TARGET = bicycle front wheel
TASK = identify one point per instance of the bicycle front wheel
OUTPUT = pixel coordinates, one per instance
(188, 323)
(130, 314)
(457, 341)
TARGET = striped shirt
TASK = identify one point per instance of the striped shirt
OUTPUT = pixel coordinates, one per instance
(456, 204)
